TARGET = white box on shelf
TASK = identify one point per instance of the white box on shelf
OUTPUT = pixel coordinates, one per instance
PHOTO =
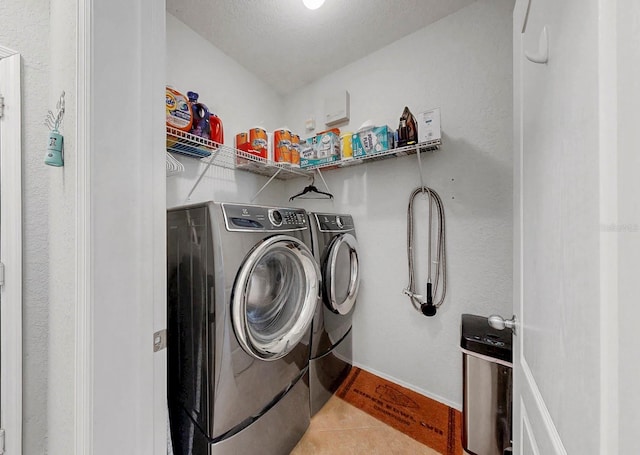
(429, 125)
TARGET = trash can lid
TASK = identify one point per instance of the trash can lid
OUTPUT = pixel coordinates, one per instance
(479, 337)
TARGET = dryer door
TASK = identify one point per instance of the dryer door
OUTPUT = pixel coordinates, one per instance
(342, 274)
(274, 297)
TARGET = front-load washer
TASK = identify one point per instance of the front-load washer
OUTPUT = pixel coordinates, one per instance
(243, 287)
(336, 250)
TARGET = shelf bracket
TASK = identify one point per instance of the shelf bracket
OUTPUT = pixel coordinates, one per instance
(195, 185)
(266, 184)
(323, 180)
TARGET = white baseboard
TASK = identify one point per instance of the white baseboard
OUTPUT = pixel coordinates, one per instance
(426, 393)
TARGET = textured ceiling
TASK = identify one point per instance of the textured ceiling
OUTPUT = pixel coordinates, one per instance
(288, 46)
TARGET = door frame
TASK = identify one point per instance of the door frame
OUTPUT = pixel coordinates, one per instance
(11, 252)
(83, 361)
(609, 213)
(133, 174)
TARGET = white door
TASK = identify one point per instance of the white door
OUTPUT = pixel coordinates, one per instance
(559, 266)
(10, 255)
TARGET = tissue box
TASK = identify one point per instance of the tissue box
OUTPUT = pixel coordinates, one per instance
(320, 150)
(372, 141)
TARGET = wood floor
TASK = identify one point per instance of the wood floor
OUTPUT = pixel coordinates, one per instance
(342, 429)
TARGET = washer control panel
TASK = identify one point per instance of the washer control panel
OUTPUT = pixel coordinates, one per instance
(260, 219)
(330, 222)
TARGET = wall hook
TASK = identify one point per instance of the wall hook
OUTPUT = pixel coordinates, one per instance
(542, 56)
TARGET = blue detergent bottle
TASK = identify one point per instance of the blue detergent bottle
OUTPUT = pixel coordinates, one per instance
(201, 126)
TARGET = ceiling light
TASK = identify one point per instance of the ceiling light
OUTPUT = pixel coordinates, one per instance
(313, 4)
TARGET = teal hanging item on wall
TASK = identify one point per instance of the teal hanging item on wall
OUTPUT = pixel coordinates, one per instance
(55, 141)
(54, 149)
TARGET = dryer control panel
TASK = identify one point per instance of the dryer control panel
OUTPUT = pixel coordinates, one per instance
(261, 219)
(330, 222)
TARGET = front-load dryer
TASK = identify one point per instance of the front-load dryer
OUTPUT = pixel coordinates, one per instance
(243, 287)
(336, 250)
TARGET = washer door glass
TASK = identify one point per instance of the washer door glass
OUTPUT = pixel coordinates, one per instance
(342, 274)
(274, 297)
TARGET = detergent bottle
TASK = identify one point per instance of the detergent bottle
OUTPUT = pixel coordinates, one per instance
(200, 125)
(217, 132)
(178, 110)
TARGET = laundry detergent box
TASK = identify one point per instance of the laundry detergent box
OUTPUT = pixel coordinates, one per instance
(372, 140)
(319, 150)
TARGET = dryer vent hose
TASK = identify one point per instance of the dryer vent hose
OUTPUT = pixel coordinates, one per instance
(436, 282)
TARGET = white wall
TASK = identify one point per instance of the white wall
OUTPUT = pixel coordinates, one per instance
(629, 221)
(237, 96)
(24, 27)
(461, 64)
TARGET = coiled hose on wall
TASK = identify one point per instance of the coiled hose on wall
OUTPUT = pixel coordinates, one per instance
(438, 281)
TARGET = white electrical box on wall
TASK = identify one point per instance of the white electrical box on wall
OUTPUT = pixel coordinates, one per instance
(336, 108)
(429, 125)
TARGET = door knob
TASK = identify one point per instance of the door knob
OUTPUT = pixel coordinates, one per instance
(499, 323)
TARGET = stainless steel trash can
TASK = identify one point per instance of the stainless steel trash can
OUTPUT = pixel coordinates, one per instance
(487, 387)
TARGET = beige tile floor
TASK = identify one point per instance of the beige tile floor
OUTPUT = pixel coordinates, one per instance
(342, 429)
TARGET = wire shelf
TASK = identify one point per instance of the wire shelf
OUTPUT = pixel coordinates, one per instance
(215, 154)
(430, 146)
